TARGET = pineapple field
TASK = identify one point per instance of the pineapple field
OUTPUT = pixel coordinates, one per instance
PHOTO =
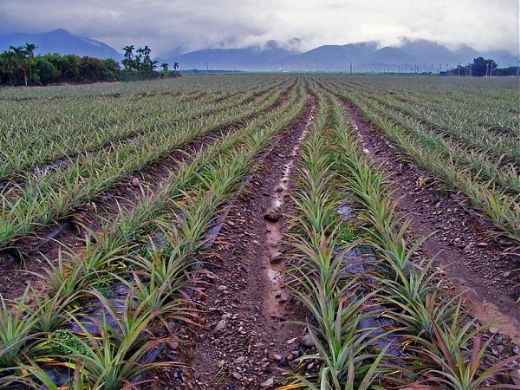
(261, 231)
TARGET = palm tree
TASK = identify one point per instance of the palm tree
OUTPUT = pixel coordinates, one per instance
(20, 60)
(129, 53)
(140, 54)
(146, 50)
(30, 48)
(147, 61)
(175, 65)
(29, 52)
(164, 66)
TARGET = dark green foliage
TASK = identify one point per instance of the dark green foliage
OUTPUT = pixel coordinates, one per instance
(482, 67)
(65, 342)
(139, 65)
(19, 66)
(509, 71)
(45, 71)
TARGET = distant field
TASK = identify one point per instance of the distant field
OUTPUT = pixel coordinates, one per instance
(150, 227)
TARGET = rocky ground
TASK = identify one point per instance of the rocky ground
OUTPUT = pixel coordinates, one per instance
(474, 261)
(248, 340)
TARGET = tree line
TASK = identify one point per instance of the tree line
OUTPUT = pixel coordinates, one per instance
(20, 66)
(481, 67)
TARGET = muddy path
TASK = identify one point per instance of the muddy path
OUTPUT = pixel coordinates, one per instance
(474, 261)
(68, 234)
(246, 341)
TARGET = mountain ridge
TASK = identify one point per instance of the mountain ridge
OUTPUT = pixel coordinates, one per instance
(410, 55)
(60, 41)
(417, 55)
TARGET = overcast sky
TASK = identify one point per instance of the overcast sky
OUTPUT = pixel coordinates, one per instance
(196, 24)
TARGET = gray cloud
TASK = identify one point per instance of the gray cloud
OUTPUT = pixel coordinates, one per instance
(195, 24)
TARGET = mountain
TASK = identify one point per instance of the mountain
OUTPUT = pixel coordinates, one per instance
(389, 55)
(421, 55)
(62, 42)
(435, 53)
(329, 57)
(268, 58)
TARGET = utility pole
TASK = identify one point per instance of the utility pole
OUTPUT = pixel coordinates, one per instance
(351, 68)
(207, 68)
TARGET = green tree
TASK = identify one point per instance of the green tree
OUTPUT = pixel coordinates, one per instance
(19, 60)
(128, 60)
(19, 65)
(8, 67)
(29, 54)
(143, 59)
(483, 67)
(92, 69)
(29, 49)
(45, 71)
(111, 69)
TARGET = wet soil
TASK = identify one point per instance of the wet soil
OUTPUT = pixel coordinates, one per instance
(247, 341)
(68, 235)
(476, 262)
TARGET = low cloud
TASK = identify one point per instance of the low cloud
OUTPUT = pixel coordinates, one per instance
(299, 24)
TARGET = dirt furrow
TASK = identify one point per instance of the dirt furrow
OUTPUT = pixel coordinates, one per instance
(32, 250)
(474, 260)
(246, 342)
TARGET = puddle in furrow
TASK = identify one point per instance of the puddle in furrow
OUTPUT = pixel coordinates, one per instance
(491, 315)
(276, 295)
(358, 261)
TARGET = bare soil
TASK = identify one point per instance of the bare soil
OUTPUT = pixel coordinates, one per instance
(246, 341)
(476, 262)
